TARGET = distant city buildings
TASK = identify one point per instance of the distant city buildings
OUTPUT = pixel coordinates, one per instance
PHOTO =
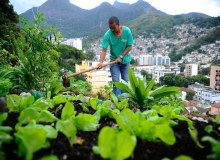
(156, 60)
(191, 70)
(215, 77)
(76, 42)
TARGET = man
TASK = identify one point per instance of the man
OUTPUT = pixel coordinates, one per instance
(120, 40)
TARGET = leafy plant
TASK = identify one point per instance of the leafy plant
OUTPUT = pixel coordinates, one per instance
(54, 88)
(215, 144)
(140, 92)
(119, 105)
(37, 57)
(5, 85)
(114, 146)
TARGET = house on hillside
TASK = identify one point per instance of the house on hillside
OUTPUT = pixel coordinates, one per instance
(215, 109)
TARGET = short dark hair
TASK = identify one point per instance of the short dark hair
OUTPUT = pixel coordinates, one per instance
(113, 19)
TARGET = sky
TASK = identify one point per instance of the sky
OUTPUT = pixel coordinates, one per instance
(173, 7)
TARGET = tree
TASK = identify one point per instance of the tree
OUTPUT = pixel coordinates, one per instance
(90, 55)
(9, 31)
(168, 79)
(147, 75)
(189, 95)
(205, 71)
(181, 81)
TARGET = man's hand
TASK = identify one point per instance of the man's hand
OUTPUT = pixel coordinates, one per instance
(118, 60)
(100, 65)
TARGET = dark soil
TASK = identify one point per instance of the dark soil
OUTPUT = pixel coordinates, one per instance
(145, 150)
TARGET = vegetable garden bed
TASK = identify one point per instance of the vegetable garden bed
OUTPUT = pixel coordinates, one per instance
(82, 149)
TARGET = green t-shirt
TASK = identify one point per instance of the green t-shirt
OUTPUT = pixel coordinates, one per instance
(118, 45)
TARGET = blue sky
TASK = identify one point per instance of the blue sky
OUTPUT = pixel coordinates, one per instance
(173, 7)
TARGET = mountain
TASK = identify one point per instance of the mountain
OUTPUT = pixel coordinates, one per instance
(74, 21)
(141, 17)
(195, 15)
(120, 5)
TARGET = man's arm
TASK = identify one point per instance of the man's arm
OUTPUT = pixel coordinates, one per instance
(119, 59)
(102, 57)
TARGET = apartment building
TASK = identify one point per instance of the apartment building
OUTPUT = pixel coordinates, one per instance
(191, 70)
(76, 42)
(96, 78)
(215, 77)
(205, 93)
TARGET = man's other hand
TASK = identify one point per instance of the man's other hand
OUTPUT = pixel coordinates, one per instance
(118, 60)
(100, 65)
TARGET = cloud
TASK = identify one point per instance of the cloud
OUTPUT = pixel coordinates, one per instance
(173, 7)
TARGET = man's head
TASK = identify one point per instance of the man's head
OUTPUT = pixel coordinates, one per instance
(114, 24)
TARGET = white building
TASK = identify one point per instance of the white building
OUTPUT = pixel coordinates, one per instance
(158, 60)
(166, 60)
(76, 42)
(205, 94)
(191, 70)
(145, 60)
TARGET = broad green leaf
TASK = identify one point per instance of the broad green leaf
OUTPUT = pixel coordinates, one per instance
(86, 122)
(217, 119)
(93, 102)
(3, 117)
(166, 134)
(13, 102)
(183, 118)
(125, 88)
(26, 102)
(127, 120)
(149, 113)
(124, 146)
(68, 111)
(4, 138)
(216, 150)
(210, 140)
(59, 99)
(149, 86)
(68, 128)
(164, 89)
(50, 157)
(133, 80)
(42, 104)
(194, 136)
(46, 116)
(5, 129)
(51, 132)
(105, 142)
(27, 115)
(115, 99)
(183, 157)
(29, 140)
(166, 110)
(209, 128)
(123, 104)
(146, 130)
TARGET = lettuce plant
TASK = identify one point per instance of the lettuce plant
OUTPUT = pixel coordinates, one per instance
(4, 131)
(136, 124)
(215, 144)
(86, 122)
(114, 146)
(119, 105)
(140, 92)
(68, 128)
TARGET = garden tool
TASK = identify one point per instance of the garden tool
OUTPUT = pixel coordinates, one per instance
(66, 82)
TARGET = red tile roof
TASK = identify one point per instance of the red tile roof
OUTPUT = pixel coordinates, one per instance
(216, 105)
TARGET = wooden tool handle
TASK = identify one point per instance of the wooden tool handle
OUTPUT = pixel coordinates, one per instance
(87, 70)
